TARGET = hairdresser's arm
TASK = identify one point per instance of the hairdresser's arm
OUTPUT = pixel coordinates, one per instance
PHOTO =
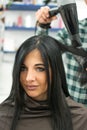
(42, 17)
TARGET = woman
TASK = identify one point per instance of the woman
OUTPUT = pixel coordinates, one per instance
(36, 100)
(36, 58)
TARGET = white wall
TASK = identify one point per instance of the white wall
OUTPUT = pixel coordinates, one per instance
(82, 9)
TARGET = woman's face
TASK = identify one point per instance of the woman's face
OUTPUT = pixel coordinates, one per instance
(33, 76)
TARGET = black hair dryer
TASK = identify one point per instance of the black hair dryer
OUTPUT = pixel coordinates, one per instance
(68, 11)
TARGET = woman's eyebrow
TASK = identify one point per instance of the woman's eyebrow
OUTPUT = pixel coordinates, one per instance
(39, 64)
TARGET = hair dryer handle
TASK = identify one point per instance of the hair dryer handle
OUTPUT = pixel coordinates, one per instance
(53, 12)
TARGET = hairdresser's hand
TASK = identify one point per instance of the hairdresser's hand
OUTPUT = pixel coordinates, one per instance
(42, 15)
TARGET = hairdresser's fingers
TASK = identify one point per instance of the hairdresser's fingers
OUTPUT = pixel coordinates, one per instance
(42, 15)
(45, 12)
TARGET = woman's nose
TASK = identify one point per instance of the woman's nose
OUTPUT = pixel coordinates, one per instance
(30, 76)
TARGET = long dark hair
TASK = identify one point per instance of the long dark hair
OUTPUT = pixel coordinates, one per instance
(57, 88)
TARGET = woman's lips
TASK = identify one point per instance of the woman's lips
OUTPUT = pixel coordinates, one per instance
(31, 87)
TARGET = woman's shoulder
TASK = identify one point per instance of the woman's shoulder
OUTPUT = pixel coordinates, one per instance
(5, 115)
(5, 107)
(75, 107)
(78, 113)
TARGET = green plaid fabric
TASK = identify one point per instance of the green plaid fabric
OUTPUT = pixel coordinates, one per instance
(72, 67)
(77, 92)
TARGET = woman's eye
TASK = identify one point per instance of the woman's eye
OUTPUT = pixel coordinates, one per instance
(40, 69)
(23, 68)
